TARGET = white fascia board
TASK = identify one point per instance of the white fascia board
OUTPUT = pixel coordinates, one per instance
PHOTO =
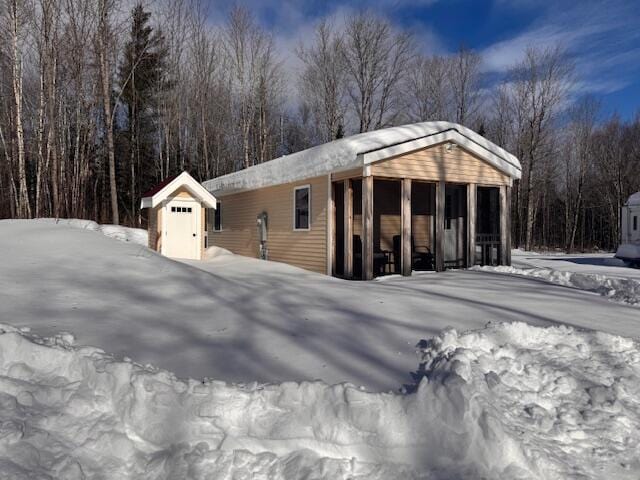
(448, 136)
(182, 180)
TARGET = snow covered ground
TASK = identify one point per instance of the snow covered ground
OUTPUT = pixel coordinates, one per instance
(586, 263)
(520, 400)
(597, 273)
(239, 319)
(509, 401)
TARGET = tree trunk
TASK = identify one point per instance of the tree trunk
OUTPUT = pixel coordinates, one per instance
(108, 117)
(24, 209)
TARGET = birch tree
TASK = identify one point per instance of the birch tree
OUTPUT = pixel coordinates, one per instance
(103, 44)
(15, 20)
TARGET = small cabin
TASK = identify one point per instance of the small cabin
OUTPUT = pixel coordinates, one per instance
(177, 218)
(426, 196)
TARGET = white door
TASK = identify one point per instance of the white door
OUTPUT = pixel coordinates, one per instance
(181, 230)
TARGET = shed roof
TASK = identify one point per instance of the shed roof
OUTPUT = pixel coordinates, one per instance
(169, 185)
(360, 150)
(634, 200)
(152, 191)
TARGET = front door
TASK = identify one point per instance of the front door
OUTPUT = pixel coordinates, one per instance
(181, 238)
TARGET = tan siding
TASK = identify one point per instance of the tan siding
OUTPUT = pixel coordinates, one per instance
(155, 228)
(305, 249)
(353, 173)
(182, 192)
(436, 163)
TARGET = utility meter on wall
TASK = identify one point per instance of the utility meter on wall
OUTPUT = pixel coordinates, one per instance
(261, 223)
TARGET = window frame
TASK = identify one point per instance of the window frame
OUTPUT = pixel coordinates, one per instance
(295, 191)
(635, 223)
(215, 213)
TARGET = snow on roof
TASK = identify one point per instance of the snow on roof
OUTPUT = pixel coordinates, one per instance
(634, 200)
(160, 192)
(350, 152)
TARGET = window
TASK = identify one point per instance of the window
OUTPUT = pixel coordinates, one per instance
(181, 209)
(301, 207)
(217, 217)
(635, 222)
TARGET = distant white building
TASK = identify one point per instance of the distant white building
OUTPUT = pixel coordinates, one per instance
(629, 249)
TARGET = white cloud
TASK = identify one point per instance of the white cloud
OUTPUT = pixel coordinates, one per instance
(602, 40)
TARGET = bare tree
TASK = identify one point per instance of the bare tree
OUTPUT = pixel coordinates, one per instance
(246, 46)
(15, 19)
(578, 154)
(540, 85)
(464, 73)
(103, 43)
(376, 60)
(429, 89)
(323, 81)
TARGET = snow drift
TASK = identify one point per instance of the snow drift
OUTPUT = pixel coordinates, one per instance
(509, 401)
(138, 236)
(623, 290)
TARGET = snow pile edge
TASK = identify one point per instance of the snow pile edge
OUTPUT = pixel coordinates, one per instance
(622, 290)
(502, 402)
(137, 236)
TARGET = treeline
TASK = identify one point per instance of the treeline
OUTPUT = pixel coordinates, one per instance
(97, 104)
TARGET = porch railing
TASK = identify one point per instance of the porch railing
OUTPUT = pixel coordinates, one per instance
(487, 249)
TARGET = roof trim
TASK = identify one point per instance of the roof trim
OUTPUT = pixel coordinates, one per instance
(183, 180)
(454, 136)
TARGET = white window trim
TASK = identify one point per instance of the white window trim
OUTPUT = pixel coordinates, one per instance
(295, 190)
(215, 211)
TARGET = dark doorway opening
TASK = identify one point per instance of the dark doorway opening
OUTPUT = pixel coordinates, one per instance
(423, 233)
(387, 227)
(338, 198)
(455, 226)
(488, 248)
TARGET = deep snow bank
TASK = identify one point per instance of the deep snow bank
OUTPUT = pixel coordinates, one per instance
(510, 401)
(623, 290)
(138, 236)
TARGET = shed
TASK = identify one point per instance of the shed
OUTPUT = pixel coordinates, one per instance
(425, 196)
(177, 216)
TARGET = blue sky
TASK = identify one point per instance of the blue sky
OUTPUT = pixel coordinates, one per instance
(602, 37)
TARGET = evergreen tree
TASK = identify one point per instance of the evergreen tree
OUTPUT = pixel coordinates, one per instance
(142, 75)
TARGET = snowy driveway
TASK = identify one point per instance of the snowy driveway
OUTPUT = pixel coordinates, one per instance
(240, 320)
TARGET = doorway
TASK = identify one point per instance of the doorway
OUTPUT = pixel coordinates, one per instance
(455, 226)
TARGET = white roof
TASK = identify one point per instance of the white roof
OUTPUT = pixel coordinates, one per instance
(634, 200)
(360, 150)
(185, 180)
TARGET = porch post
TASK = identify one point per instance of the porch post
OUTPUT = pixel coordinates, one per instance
(406, 227)
(440, 199)
(367, 228)
(331, 228)
(348, 229)
(505, 246)
(508, 223)
(472, 192)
